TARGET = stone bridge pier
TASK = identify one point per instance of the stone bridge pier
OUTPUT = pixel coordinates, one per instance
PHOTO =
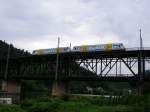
(11, 89)
(60, 88)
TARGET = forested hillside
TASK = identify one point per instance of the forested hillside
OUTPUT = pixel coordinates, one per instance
(14, 52)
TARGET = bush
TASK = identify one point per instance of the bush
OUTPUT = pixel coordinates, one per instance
(44, 107)
(88, 104)
(10, 108)
(47, 106)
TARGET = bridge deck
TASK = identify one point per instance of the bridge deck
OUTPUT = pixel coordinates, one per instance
(87, 55)
(28, 63)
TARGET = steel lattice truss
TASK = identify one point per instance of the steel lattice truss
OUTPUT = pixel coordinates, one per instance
(79, 66)
(110, 66)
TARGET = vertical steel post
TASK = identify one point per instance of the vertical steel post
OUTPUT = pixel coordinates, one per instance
(57, 60)
(116, 69)
(0, 65)
(140, 66)
(120, 66)
(7, 62)
(101, 67)
(96, 66)
(70, 61)
(141, 57)
(6, 73)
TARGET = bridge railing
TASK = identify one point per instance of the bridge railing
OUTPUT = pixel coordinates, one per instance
(137, 48)
(146, 48)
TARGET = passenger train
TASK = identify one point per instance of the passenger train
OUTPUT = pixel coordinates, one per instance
(83, 48)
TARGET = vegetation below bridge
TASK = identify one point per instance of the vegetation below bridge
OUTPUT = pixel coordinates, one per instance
(81, 104)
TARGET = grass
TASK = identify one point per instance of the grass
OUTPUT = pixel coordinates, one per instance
(81, 104)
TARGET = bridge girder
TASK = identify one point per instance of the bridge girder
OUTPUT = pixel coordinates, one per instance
(77, 65)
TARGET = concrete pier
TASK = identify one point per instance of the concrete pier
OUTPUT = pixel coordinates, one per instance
(59, 88)
(12, 89)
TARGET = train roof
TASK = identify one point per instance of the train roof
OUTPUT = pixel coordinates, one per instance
(96, 44)
(50, 48)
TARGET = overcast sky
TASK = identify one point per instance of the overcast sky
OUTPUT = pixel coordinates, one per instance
(34, 24)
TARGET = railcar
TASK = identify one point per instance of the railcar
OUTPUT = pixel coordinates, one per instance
(99, 47)
(83, 48)
(51, 51)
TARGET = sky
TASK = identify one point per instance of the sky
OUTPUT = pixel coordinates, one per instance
(36, 24)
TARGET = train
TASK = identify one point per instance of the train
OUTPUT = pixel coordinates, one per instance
(51, 51)
(82, 48)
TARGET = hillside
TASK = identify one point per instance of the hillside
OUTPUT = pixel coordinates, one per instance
(14, 52)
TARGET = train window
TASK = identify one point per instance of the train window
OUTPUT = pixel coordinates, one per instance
(77, 48)
(116, 46)
(119, 45)
(33, 52)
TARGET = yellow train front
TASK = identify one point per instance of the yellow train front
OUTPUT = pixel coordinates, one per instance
(99, 47)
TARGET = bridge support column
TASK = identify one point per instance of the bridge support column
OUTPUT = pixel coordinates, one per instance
(12, 89)
(141, 72)
(59, 88)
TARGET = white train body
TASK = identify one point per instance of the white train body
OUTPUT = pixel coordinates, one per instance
(83, 48)
(51, 51)
(99, 47)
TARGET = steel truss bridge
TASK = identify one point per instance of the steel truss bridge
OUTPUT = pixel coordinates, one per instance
(123, 65)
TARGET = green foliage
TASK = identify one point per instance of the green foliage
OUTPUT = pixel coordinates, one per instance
(27, 103)
(11, 108)
(41, 104)
(34, 89)
(14, 52)
(113, 101)
(44, 107)
(82, 104)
